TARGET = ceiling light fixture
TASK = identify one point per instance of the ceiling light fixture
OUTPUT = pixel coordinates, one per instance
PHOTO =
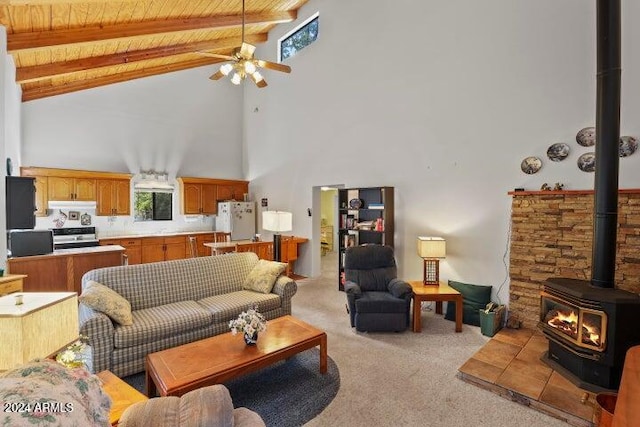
(244, 64)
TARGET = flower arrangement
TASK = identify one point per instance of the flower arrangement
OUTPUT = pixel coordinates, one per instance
(249, 322)
(72, 356)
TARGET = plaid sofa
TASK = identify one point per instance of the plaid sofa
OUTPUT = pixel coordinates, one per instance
(173, 303)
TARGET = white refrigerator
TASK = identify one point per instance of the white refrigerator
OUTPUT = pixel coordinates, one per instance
(237, 218)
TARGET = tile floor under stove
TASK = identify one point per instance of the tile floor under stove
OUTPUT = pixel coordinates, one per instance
(509, 365)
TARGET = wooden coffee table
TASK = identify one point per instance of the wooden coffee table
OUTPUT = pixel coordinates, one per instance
(178, 370)
(122, 395)
(438, 294)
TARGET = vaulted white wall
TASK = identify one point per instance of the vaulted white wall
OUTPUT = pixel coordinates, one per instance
(180, 122)
(442, 100)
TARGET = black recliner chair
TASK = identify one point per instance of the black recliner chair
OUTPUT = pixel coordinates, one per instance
(378, 301)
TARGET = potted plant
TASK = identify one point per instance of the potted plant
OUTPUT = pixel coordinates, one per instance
(250, 323)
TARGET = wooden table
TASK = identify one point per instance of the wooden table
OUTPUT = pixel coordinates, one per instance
(434, 293)
(122, 395)
(10, 283)
(178, 370)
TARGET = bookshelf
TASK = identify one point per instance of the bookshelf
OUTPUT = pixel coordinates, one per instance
(365, 217)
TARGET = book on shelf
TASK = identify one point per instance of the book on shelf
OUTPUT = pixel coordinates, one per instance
(351, 222)
(350, 240)
(379, 226)
(376, 206)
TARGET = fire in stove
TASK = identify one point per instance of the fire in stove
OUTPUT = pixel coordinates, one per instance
(568, 324)
(582, 326)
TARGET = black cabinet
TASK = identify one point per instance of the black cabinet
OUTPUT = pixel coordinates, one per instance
(21, 202)
(365, 217)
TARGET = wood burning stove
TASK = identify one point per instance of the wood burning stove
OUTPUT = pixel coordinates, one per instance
(589, 330)
(590, 324)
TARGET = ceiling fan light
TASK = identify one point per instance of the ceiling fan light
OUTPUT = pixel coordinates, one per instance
(236, 79)
(249, 67)
(257, 77)
(226, 69)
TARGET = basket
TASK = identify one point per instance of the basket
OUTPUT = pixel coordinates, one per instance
(491, 322)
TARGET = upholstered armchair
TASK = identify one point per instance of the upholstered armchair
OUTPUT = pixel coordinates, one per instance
(377, 299)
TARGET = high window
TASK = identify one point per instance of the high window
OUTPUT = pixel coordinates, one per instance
(299, 38)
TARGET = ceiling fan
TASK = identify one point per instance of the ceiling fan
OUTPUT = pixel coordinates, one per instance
(243, 63)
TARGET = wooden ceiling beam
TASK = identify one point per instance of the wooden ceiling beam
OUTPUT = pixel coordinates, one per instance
(49, 2)
(46, 91)
(38, 72)
(42, 39)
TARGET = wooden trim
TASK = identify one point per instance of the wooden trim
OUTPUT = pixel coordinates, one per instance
(43, 92)
(192, 180)
(71, 173)
(37, 72)
(41, 39)
(568, 192)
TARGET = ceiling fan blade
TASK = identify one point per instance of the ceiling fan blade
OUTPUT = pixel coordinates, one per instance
(259, 82)
(215, 55)
(217, 76)
(273, 66)
(247, 50)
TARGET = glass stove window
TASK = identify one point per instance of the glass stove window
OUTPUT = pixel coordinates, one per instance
(153, 206)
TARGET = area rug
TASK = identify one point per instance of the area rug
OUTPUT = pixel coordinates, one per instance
(286, 394)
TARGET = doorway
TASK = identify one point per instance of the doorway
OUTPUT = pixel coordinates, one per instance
(325, 231)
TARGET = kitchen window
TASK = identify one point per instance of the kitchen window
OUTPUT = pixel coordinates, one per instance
(153, 206)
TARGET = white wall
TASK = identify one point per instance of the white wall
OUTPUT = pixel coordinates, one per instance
(10, 98)
(442, 100)
(180, 122)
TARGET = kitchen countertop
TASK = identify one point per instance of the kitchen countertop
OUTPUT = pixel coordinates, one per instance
(150, 234)
(75, 251)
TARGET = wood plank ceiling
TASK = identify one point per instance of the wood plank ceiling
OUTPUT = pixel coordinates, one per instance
(62, 46)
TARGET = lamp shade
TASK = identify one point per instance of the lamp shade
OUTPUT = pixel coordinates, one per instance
(431, 247)
(277, 221)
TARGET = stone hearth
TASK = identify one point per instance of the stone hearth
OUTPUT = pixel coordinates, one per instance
(551, 237)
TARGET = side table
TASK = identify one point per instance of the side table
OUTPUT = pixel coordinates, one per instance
(434, 293)
(122, 395)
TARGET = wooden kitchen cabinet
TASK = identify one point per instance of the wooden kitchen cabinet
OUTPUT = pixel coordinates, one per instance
(132, 248)
(156, 249)
(113, 197)
(201, 195)
(63, 188)
(198, 196)
(233, 191)
(62, 272)
(79, 185)
(42, 199)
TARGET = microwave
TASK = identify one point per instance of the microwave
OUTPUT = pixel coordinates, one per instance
(30, 242)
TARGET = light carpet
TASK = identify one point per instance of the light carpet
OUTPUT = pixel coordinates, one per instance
(402, 379)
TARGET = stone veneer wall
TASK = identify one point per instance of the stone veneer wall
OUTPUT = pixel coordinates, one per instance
(551, 237)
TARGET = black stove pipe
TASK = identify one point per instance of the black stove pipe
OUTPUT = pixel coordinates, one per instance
(605, 221)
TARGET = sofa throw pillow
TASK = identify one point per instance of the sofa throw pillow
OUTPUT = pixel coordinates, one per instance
(105, 300)
(474, 297)
(264, 276)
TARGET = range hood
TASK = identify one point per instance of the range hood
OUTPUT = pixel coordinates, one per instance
(71, 205)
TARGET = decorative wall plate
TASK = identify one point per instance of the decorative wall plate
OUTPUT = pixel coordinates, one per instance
(531, 165)
(586, 137)
(355, 203)
(587, 162)
(628, 145)
(558, 152)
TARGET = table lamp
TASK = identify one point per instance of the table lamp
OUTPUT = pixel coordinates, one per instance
(431, 249)
(277, 222)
